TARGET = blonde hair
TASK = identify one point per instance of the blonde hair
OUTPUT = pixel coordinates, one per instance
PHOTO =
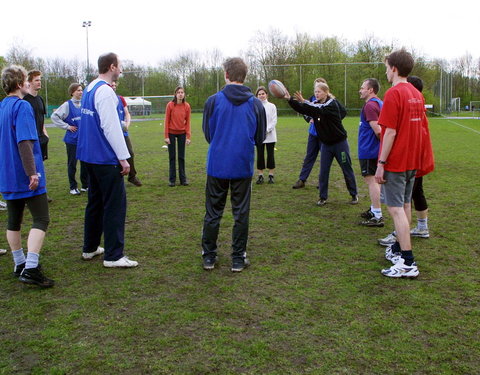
(324, 87)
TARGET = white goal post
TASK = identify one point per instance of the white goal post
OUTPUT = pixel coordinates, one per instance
(455, 105)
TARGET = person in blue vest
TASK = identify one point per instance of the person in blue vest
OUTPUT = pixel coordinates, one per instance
(234, 121)
(22, 176)
(101, 146)
(67, 117)
(314, 145)
(368, 148)
(125, 119)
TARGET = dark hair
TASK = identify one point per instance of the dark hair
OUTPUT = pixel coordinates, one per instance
(32, 74)
(175, 94)
(105, 60)
(402, 60)
(416, 82)
(12, 77)
(261, 88)
(73, 87)
(373, 84)
(236, 69)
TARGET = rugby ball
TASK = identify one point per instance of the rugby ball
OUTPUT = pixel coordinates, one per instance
(277, 89)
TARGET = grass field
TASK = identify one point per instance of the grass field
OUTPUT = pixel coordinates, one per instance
(313, 301)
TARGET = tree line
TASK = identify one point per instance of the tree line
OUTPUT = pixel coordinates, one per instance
(296, 61)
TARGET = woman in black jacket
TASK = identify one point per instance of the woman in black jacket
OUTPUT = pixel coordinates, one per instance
(327, 114)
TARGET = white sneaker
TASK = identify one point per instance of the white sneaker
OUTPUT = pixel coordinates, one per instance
(389, 253)
(400, 269)
(75, 192)
(3, 205)
(389, 240)
(89, 256)
(3, 251)
(84, 190)
(415, 232)
(121, 263)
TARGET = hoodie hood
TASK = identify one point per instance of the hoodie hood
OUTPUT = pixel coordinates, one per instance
(237, 94)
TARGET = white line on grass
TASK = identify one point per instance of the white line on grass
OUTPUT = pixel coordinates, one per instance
(463, 126)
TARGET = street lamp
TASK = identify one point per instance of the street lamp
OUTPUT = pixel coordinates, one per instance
(86, 25)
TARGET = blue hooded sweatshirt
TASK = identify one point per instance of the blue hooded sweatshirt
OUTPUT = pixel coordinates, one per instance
(234, 121)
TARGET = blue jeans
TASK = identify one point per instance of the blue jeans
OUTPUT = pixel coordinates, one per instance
(313, 148)
(341, 152)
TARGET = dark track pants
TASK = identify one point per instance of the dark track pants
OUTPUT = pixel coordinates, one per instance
(72, 168)
(180, 139)
(313, 148)
(106, 210)
(341, 152)
(216, 192)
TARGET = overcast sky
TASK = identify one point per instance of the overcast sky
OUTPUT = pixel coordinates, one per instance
(148, 31)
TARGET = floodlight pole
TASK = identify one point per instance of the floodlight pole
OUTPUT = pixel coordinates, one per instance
(86, 25)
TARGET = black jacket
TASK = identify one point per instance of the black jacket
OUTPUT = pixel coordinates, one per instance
(327, 118)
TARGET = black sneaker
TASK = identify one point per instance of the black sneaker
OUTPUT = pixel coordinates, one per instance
(35, 276)
(260, 180)
(321, 202)
(354, 199)
(270, 179)
(238, 265)
(373, 222)
(17, 270)
(368, 214)
(209, 263)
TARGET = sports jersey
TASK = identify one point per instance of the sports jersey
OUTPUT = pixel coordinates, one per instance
(73, 119)
(17, 124)
(368, 143)
(93, 145)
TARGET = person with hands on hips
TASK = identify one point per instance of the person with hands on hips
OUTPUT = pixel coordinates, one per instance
(67, 117)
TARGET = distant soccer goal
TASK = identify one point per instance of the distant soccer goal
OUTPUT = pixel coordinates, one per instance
(455, 105)
(475, 107)
(147, 105)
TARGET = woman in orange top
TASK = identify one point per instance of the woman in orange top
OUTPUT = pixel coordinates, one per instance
(177, 128)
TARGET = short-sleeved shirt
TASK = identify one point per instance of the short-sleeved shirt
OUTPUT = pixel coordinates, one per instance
(17, 124)
(38, 110)
(403, 110)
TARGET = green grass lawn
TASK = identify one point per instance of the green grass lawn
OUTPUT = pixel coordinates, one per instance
(313, 301)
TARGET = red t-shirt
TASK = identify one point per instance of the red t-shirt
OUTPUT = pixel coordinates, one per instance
(403, 110)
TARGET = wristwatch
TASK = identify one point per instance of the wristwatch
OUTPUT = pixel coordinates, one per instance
(382, 162)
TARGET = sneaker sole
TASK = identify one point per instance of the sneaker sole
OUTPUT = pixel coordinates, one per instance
(114, 266)
(386, 244)
(380, 225)
(420, 235)
(401, 276)
(33, 282)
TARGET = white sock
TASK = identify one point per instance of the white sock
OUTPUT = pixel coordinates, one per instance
(376, 211)
(422, 224)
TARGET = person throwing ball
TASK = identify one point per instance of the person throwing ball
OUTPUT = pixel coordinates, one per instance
(327, 114)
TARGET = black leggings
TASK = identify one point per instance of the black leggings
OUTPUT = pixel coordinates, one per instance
(419, 200)
(38, 207)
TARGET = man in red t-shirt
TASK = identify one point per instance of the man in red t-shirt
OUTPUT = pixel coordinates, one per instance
(400, 156)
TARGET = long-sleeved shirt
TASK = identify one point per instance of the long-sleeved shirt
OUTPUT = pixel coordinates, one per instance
(61, 113)
(177, 119)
